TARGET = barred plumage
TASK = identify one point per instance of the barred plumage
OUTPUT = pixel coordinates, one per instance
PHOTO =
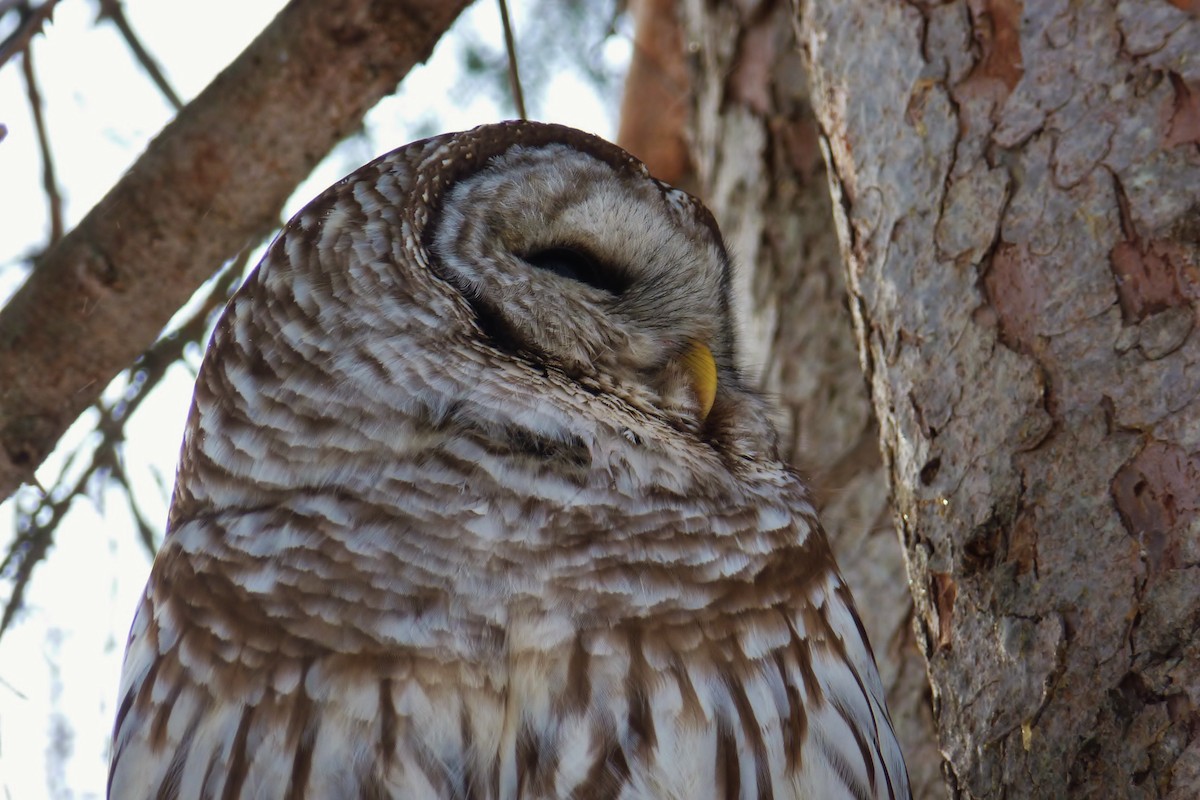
(453, 518)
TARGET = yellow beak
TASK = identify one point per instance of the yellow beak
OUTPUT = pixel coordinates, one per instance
(700, 366)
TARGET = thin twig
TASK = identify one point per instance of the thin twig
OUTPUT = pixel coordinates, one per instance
(49, 179)
(113, 10)
(32, 20)
(514, 76)
(146, 531)
(31, 545)
(13, 689)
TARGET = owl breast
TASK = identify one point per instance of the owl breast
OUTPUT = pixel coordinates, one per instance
(473, 502)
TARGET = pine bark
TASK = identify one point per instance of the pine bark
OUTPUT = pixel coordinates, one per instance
(1017, 189)
(756, 146)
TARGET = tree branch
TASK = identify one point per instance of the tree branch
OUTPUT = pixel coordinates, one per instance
(32, 19)
(216, 177)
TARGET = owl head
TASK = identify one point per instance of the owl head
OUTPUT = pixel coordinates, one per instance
(521, 276)
(568, 252)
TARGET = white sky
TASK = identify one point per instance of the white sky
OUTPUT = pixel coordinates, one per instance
(59, 664)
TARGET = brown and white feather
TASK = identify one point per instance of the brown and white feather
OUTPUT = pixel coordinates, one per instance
(450, 525)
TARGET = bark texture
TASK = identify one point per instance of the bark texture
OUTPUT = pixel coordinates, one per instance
(1017, 188)
(756, 145)
(210, 183)
(658, 95)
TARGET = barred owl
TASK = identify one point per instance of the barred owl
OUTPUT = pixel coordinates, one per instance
(473, 502)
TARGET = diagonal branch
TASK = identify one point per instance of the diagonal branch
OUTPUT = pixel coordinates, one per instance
(215, 177)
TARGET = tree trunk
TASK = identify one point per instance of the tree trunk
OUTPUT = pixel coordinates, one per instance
(756, 147)
(1018, 196)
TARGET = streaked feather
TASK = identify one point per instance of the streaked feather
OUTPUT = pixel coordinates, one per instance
(445, 526)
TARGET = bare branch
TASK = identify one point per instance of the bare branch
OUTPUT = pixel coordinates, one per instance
(49, 179)
(32, 21)
(113, 10)
(31, 545)
(514, 76)
(211, 182)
